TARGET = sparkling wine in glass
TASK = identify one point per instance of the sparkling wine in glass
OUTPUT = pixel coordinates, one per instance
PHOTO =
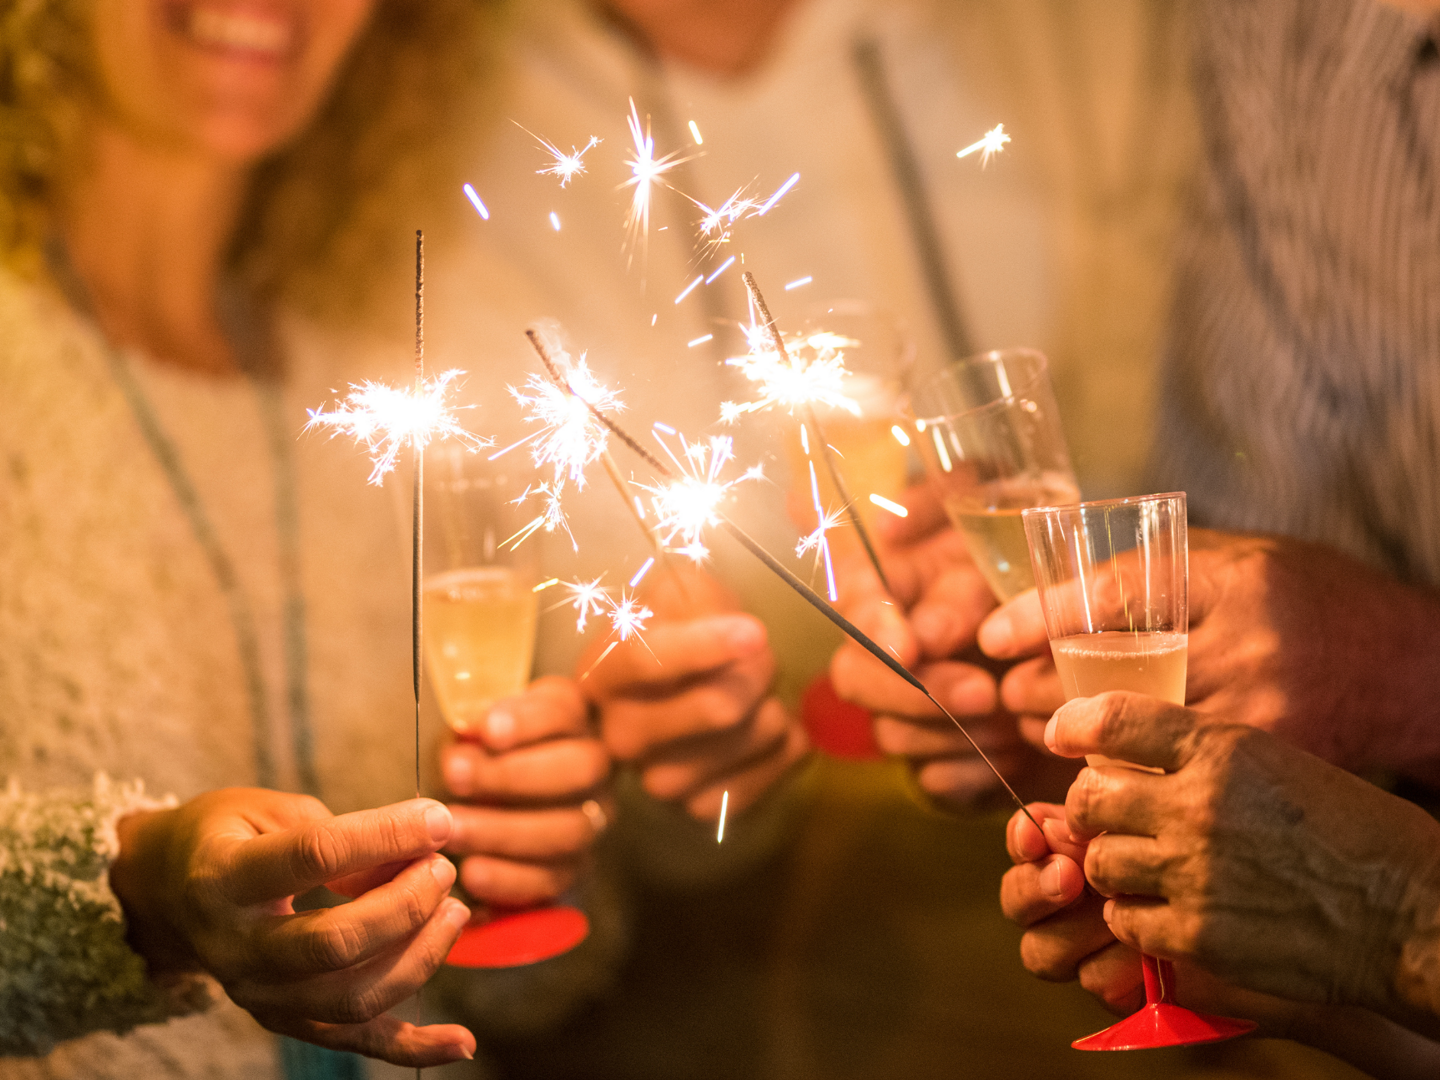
(479, 639)
(1113, 581)
(990, 436)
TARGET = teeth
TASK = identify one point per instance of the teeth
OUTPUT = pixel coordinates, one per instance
(235, 31)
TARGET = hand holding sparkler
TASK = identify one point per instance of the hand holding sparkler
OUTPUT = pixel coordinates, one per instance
(690, 706)
(210, 885)
(530, 788)
(929, 623)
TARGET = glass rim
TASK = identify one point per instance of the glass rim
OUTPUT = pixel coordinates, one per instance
(1106, 504)
(976, 360)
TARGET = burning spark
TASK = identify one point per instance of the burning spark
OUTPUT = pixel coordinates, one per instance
(724, 809)
(554, 221)
(991, 144)
(565, 166)
(640, 574)
(687, 506)
(885, 504)
(700, 340)
(569, 439)
(480, 207)
(812, 372)
(799, 283)
(387, 420)
(901, 436)
(716, 224)
(819, 541)
(695, 134)
(646, 170)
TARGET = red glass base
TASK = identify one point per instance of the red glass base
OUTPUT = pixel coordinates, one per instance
(835, 726)
(526, 937)
(1161, 1022)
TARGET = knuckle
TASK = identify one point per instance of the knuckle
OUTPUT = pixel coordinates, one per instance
(1082, 803)
(336, 946)
(1040, 958)
(317, 853)
(357, 1005)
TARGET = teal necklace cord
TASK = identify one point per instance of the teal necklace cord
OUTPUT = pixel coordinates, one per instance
(242, 616)
(287, 526)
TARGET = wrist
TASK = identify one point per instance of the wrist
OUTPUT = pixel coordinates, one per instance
(139, 879)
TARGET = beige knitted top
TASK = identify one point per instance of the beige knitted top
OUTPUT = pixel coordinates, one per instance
(119, 655)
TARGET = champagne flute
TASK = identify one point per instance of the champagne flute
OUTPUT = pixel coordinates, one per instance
(990, 436)
(1113, 581)
(479, 638)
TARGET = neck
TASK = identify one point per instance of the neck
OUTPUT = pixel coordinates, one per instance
(728, 38)
(147, 229)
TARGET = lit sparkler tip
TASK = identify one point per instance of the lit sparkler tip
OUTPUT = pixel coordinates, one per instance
(988, 146)
(387, 419)
(646, 170)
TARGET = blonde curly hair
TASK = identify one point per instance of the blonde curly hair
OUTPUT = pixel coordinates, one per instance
(324, 211)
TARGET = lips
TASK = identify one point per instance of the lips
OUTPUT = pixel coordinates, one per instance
(246, 30)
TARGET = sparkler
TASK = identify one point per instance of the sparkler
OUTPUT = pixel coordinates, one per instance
(646, 170)
(565, 166)
(569, 439)
(822, 386)
(388, 419)
(690, 503)
(990, 144)
(814, 599)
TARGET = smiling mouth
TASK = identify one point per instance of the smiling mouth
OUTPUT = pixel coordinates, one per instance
(223, 28)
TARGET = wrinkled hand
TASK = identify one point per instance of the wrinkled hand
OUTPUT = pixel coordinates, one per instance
(211, 884)
(690, 706)
(1288, 637)
(1261, 864)
(530, 778)
(929, 625)
(1066, 937)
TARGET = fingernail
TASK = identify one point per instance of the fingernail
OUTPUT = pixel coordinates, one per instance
(443, 870)
(437, 820)
(933, 625)
(744, 635)
(456, 913)
(1108, 910)
(1050, 880)
(459, 772)
(973, 696)
(500, 725)
(996, 636)
(1050, 727)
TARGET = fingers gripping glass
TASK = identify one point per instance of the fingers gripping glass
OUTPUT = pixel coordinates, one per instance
(480, 615)
(1113, 581)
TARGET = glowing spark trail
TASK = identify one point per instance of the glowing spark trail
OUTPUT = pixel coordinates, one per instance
(387, 420)
(716, 225)
(480, 207)
(724, 809)
(991, 144)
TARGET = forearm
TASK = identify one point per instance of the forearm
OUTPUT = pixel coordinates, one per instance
(1372, 1043)
(62, 931)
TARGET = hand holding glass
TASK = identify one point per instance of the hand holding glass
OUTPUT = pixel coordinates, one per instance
(1113, 581)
